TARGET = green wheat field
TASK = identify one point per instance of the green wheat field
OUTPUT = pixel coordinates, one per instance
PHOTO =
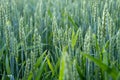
(59, 39)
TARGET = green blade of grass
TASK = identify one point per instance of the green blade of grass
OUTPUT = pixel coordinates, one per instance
(73, 23)
(62, 68)
(74, 38)
(40, 70)
(79, 72)
(50, 66)
(57, 65)
(30, 76)
(103, 66)
(39, 60)
(7, 65)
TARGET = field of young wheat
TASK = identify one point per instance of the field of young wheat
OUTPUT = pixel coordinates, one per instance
(59, 39)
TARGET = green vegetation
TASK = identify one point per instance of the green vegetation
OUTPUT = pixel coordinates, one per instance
(59, 39)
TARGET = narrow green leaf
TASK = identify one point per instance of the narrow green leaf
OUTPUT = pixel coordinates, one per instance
(30, 76)
(74, 39)
(73, 23)
(40, 71)
(7, 65)
(39, 60)
(62, 68)
(107, 44)
(79, 71)
(57, 65)
(105, 57)
(50, 66)
(3, 76)
(103, 66)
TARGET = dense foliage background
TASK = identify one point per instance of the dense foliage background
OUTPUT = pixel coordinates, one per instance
(60, 39)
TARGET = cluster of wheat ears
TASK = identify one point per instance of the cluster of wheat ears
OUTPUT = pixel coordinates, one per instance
(59, 39)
